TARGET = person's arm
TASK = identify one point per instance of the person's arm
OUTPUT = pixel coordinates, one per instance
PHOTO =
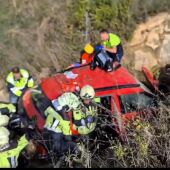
(30, 81)
(111, 50)
(15, 90)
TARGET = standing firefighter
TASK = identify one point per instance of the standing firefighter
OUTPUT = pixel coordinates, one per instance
(18, 80)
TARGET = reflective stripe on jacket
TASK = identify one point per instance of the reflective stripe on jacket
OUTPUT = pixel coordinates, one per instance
(80, 116)
(15, 86)
(56, 123)
(9, 157)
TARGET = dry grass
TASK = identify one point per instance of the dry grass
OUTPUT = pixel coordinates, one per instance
(147, 145)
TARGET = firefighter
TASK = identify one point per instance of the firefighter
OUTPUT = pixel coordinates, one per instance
(112, 45)
(10, 150)
(57, 126)
(85, 117)
(18, 80)
(58, 122)
(58, 115)
(7, 109)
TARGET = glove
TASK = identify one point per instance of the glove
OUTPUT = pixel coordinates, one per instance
(99, 48)
(90, 119)
(83, 122)
(65, 108)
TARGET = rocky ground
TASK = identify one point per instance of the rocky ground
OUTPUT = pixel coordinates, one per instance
(150, 44)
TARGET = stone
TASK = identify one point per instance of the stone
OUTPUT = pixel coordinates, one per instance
(2, 84)
(153, 40)
(167, 26)
(143, 59)
(4, 96)
(165, 51)
(156, 21)
(139, 35)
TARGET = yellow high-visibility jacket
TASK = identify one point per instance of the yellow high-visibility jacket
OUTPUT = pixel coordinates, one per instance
(16, 86)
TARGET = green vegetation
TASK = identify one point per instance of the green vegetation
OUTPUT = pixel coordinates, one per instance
(34, 30)
(120, 16)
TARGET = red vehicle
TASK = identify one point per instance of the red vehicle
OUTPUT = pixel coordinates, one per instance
(120, 92)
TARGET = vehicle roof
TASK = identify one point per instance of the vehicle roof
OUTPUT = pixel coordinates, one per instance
(97, 78)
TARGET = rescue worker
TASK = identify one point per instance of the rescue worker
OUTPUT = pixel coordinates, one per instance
(112, 45)
(11, 150)
(59, 120)
(18, 80)
(57, 126)
(7, 109)
(87, 54)
(85, 118)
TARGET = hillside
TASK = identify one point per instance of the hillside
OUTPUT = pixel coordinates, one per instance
(45, 36)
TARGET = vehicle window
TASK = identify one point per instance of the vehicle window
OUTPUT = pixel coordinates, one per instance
(106, 102)
(133, 102)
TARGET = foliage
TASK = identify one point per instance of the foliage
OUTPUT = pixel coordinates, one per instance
(146, 144)
(120, 16)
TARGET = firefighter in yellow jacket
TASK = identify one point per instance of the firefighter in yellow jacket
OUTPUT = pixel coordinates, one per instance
(57, 126)
(18, 80)
(11, 150)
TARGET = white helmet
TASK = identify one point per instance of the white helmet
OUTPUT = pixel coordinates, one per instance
(4, 119)
(87, 92)
(4, 136)
(69, 99)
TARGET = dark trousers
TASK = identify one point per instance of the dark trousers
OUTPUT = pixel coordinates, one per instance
(58, 142)
(117, 56)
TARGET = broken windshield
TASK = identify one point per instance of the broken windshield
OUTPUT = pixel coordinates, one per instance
(133, 102)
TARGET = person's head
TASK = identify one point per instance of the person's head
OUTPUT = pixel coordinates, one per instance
(4, 120)
(87, 93)
(89, 49)
(16, 72)
(104, 35)
(4, 136)
(31, 148)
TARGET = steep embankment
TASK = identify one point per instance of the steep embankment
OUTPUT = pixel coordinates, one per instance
(38, 35)
(33, 35)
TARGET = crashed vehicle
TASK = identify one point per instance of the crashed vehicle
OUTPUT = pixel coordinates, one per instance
(122, 95)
